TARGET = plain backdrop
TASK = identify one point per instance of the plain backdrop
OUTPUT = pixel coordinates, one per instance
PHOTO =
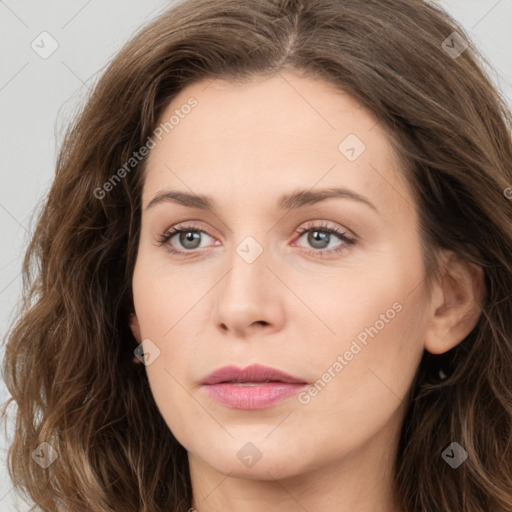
(39, 94)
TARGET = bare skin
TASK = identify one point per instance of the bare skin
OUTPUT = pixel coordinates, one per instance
(300, 305)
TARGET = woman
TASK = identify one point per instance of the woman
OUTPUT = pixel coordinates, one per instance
(274, 272)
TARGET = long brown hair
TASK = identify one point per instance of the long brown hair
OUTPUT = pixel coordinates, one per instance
(68, 363)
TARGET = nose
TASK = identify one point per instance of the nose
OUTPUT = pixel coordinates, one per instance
(249, 297)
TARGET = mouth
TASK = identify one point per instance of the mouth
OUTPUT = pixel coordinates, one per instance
(254, 387)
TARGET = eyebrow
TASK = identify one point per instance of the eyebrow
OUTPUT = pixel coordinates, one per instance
(289, 201)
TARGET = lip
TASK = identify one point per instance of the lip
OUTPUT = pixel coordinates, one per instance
(252, 373)
(253, 387)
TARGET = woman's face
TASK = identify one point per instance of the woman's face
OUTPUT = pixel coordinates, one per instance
(345, 314)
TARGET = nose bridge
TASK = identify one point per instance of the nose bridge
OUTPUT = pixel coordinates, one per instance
(248, 264)
(250, 250)
(246, 295)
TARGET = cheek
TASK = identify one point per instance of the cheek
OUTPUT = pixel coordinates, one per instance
(165, 294)
(168, 314)
(378, 319)
(361, 375)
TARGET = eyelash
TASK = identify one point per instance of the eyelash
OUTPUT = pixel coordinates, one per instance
(165, 237)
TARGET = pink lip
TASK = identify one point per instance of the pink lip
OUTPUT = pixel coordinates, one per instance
(221, 386)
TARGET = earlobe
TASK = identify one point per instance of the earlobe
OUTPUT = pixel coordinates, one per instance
(456, 306)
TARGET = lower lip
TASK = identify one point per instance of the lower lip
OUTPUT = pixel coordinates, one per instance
(249, 397)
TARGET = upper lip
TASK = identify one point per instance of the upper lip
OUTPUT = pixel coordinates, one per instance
(253, 373)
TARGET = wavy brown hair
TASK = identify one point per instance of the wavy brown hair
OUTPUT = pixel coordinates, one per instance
(69, 355)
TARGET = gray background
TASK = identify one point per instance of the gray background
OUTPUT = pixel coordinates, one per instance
(39, 96)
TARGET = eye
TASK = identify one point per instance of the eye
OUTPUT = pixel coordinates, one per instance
(319, 237)
(189, 237)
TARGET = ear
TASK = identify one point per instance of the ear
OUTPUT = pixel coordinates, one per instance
(135, 327)
(456, 302)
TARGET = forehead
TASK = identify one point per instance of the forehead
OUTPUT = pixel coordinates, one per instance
(303, 106)
(280, 133)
